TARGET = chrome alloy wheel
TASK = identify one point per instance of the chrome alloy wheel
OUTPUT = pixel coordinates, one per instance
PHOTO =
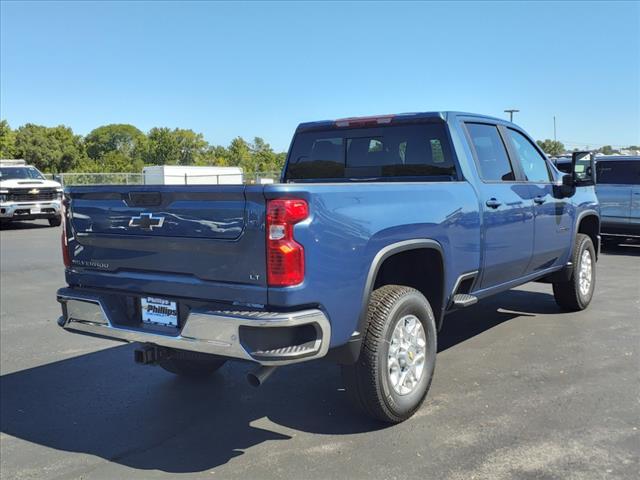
(405, 362)
(586, 269)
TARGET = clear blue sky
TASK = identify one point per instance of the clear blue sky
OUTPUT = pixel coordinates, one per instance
(261, 68)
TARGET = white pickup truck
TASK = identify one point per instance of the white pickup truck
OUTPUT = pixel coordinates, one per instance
(26, 195)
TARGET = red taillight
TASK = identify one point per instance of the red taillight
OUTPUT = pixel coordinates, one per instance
(66, 258)
(285, 256)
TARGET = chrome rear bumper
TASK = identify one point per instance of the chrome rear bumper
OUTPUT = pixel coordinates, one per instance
(206, 331)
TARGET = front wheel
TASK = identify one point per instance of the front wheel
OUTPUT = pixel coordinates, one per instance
(576, 293)
(393, 374)
(55, 221)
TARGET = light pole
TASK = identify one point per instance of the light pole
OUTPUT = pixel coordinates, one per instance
(511, 111)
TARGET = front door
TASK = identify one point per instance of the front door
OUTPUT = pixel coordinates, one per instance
(553, 215)
(506, 209)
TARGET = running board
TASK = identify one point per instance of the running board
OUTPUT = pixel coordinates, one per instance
(462, 300)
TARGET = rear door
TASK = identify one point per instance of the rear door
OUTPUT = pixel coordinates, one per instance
(553, 215)
(506, 209)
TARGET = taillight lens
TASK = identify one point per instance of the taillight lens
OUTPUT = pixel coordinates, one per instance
(66, 258)
(285, 256)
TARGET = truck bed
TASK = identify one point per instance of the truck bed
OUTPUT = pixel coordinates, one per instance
(211, 246)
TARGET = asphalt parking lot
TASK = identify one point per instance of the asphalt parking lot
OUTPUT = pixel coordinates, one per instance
(521, 391)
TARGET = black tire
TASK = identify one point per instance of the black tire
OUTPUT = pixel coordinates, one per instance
(368, 381)
(55, 221)
(191, 365)
(568, 294)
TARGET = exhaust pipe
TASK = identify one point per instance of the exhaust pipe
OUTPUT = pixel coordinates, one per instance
(259, 375)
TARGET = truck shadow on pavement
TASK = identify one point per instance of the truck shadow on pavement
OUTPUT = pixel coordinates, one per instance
(628, 248)
(104, 405)
(24, 225)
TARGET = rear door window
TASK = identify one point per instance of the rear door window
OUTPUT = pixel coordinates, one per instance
(626, 172)
(393, 151)
(491, 154)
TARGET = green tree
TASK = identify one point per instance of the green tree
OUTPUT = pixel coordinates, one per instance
(551, 147)
(240, 154)
(175, 147)
(192, 146)
(161, 147)
(214, 155)
(607, 150)
(118, 137)
(50, 149)
(281, 158)
(115, 161)
(264, 158)
(7, 140)
(86, 165)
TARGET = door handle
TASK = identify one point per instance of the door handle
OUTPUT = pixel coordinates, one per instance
(539, 200)
(493, 203)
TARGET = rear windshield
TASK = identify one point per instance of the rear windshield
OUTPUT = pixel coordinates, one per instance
(392, 151)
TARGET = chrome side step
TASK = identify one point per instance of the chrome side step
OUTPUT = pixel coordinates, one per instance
(462, 300)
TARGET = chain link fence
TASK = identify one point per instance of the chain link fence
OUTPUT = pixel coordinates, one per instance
(138, 178)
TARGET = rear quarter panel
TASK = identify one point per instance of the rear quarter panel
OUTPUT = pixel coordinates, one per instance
(350, 223)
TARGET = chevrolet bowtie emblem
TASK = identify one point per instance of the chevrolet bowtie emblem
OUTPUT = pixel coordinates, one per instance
(146, 221)
(34, 191)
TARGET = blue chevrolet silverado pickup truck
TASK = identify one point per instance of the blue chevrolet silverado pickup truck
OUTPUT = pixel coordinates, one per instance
(379, 227)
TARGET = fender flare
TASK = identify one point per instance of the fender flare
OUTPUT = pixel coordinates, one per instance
(579, 219)
(379, 259)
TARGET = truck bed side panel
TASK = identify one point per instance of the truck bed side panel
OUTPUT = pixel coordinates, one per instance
(350, 223)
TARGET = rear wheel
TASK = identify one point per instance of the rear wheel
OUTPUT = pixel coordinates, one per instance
(190, 364)
(55, 221)
(392, 376)
(576, 293)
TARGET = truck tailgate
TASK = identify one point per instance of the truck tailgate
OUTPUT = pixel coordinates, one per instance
(198, 234)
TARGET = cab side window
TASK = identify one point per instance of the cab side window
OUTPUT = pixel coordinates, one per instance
(491, 155)
(626, 172)
(533, 163)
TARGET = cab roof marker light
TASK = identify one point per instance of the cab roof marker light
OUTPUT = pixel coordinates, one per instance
(361, 121)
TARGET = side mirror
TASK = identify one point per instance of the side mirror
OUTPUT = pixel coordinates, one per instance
(583, 168)
(568, 186)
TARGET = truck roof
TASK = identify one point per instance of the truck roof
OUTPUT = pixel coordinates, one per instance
(617, 158)
(602, 158)
(393, 118)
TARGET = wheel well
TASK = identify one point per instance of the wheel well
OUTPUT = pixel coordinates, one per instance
(420, 268)
(590, 225)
